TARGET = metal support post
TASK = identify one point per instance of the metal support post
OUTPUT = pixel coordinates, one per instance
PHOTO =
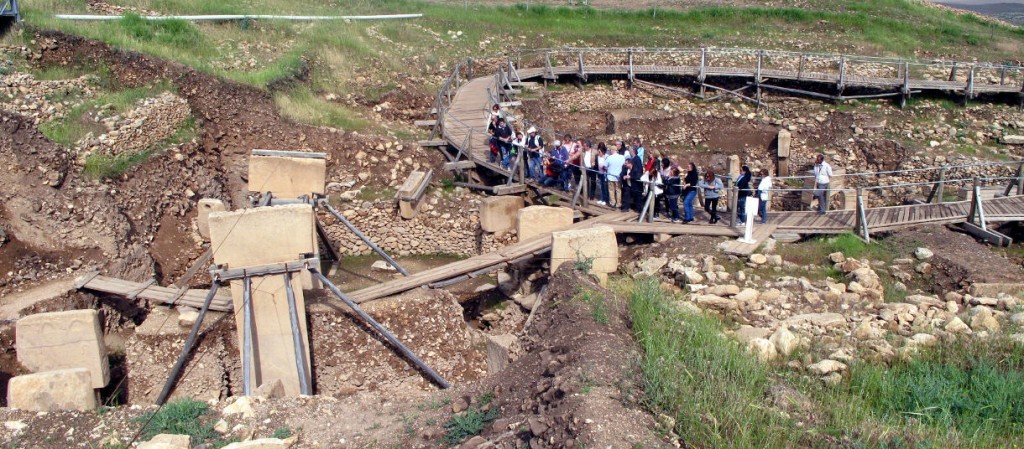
(300, 350)
(383, 330)
(189, 342)
(247, 355)
(862, 219)
(363, 237)
(733, 204)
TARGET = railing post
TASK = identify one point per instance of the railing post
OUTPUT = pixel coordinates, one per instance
(469, 66)
(757, 78)
(702, 74)
(862, 218)
(733, 204)
(952, 72)
(842, 77)
(974, 202)
(969, 90)
(630, 75)
(940, 188)
(800, 71)
(583, 71)
(1002, 76)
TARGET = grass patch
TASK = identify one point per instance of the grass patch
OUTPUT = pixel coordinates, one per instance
(282, 433)
(815, 251)
(181, 416)
(597, 303)
(713, 389)
(303, 106)
(376, 194)
(470, 423)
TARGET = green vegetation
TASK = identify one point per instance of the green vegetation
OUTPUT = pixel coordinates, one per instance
(597, 303)
(79, 120)
(181, 416)
(282, 433)
(708, 383)
(303, 106)
(968, 393)
(371, 59)
(471, 422)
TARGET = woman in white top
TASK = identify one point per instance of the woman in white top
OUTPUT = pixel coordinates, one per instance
(764, 195)
(518, 148)
(651, 179)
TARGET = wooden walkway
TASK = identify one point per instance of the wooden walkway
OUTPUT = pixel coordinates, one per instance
(151, 291)
(478, 265)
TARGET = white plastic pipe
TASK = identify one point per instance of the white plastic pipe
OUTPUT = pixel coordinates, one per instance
(242, 17)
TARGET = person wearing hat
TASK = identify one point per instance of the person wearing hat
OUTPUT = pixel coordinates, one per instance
(534, 147)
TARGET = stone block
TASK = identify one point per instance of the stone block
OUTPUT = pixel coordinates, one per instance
(287, 177)
(67, 389)
(206, 207)
(837, 183)
(785, 140)
(168, 441)
(64, 340)
(536, 220)
(597, 243)
(500, 213)
(266, 235)
(996, 289)
(408, 209)
(733, 166)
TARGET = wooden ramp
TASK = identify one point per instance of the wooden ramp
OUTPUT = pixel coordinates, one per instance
(760, 234)
(147, 290)
(476, 266)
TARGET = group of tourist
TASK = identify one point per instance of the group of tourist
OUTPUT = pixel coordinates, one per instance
(622, 176)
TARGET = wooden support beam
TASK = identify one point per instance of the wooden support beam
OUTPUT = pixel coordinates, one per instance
(994, 237)
(459, 165)
(425, 122)
(432, 143)
(513, 189)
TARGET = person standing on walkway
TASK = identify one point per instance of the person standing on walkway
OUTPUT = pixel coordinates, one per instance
(712, 191)
(822, 178)
(636, 187)
(627, 184)
(613, 165)
(764, 188)
(689, 191)
(602, 172)
(673, 188)
(503, 133)
(590, 168)
(559, 156)
(742, 192)
(638, 148)
(534, 146)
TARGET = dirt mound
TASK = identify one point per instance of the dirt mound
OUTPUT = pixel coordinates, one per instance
(960, 260)
(576, 384)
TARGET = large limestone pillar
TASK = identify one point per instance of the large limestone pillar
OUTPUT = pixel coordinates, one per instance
(261, 236)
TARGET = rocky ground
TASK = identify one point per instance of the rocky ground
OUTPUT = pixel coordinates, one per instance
(838, 309)
(569, 382)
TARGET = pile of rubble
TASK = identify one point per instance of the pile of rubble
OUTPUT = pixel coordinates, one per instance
(154, 120)
(43, 100)
(835, 320)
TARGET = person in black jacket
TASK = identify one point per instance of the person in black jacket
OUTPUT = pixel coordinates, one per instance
(743, 191)
(689, 191)
(636, 188)
(673, 188)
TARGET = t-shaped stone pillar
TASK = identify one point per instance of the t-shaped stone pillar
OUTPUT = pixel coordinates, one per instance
(262, 236)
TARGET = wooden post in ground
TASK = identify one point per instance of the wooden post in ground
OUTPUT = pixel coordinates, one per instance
(469, 65)
(940, 188)
(630, 74)
(1018, 182)
(952, 72)
(757, 78)
(905, 89)
(842, 77)
(800, 71)
(974, 203)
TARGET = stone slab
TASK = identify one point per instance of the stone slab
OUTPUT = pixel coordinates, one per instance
(68, 389)
(992, 290)
(64, 340)
(259, 236)
(168, 441)
(597, 243)
(785, 140)
(536, 220)
(500, 213)
(287, 177)
(207, 206)
(264, 235)
(409, 209)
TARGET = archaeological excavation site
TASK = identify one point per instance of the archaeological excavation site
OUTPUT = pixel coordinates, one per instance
(428, 230)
